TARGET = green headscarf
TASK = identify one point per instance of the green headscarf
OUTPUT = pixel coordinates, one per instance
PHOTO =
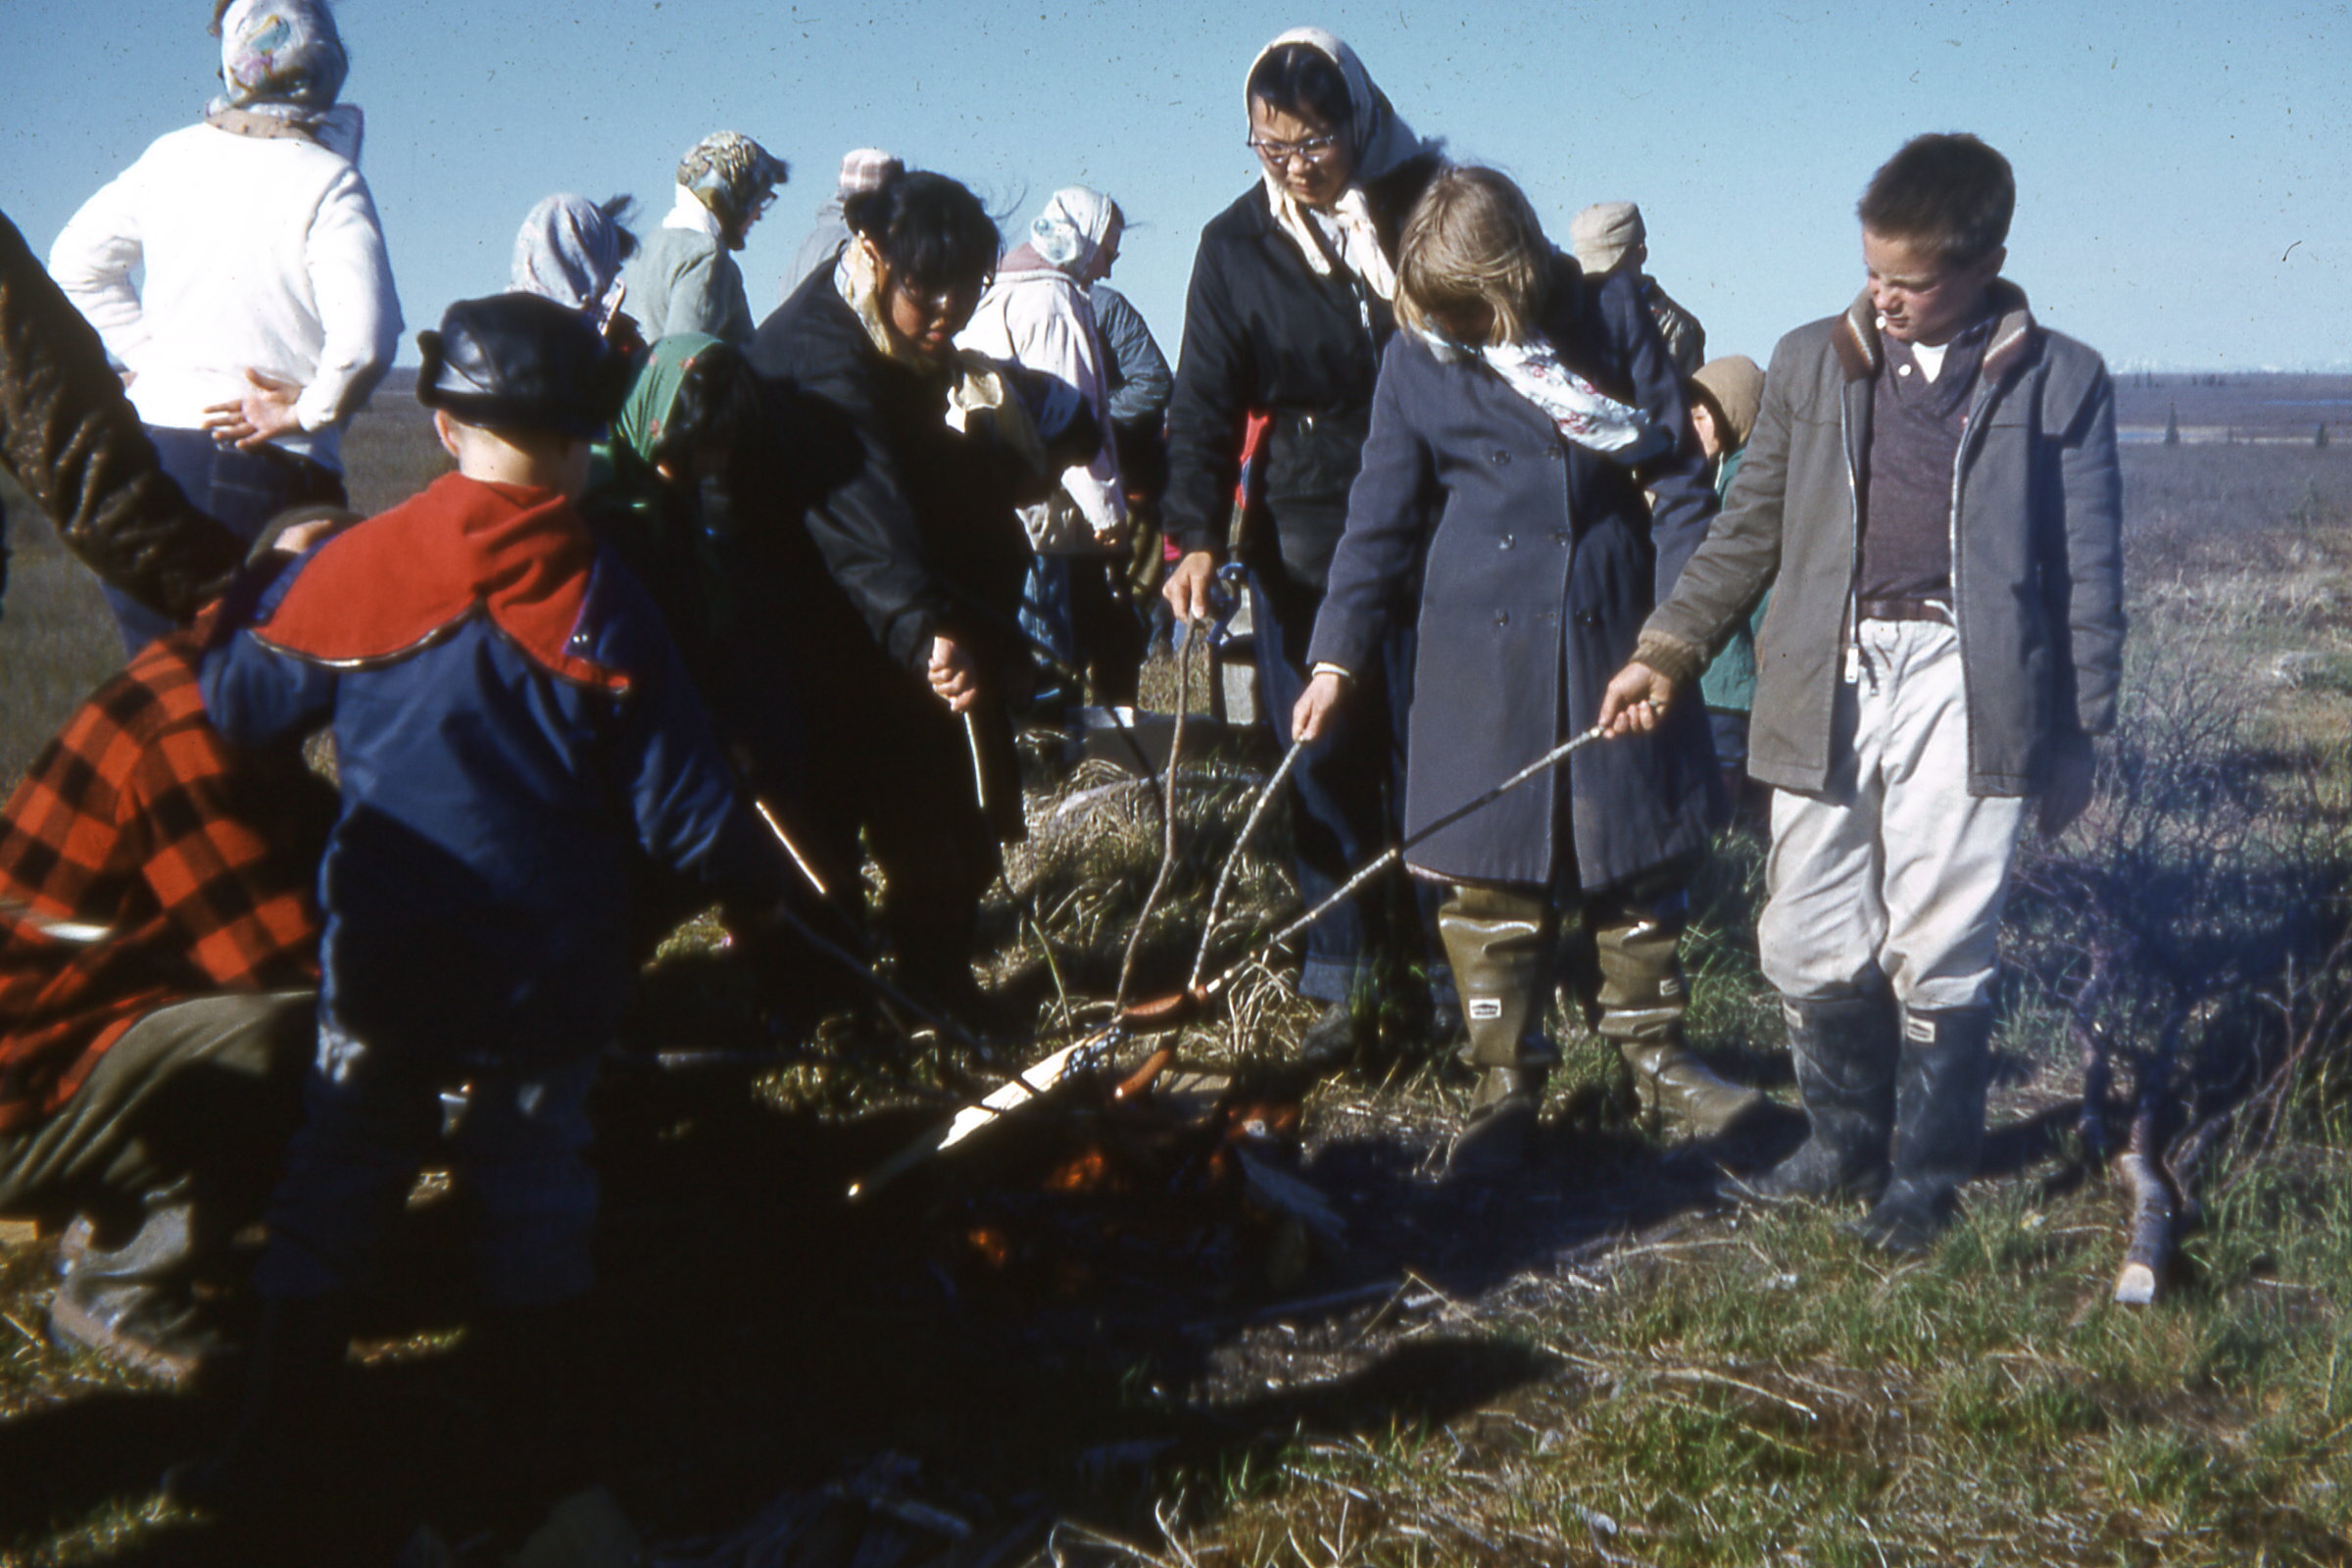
(657, 523)
(654, 396)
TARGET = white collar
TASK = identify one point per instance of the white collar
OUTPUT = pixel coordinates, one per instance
(689, 212)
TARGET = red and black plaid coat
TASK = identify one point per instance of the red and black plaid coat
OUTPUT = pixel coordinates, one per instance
(199, 859)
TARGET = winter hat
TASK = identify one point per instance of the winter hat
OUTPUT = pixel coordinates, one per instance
(1603, 233)
(864, 168)
(518, 362)
(1735, 386)
(1072, 227)
(281, 52)
(732, 175)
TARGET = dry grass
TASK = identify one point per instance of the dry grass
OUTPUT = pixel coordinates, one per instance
(1595, 1367)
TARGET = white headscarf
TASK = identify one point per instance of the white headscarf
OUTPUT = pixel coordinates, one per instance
(1072, 229)
(568, 250)
(1380, 140)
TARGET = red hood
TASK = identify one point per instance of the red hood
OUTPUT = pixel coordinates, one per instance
(520, 555)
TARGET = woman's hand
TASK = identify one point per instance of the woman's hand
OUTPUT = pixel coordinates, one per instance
(1312, 714)
(954, 677)
(264, 413)
(1187, 585)
(1636, 700)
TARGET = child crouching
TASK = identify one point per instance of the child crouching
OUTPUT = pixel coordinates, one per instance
(515, 735)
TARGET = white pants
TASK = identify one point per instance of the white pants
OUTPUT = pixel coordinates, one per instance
(1895, 870)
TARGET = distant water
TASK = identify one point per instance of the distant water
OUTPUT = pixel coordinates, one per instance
(2307, 403)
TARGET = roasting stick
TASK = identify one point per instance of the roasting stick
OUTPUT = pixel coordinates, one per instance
(1174, 1009)
(1096, 1048)
(1167, 808)
(1233, 860)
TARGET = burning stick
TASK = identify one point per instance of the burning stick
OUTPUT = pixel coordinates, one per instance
(2143, 1169)
(1033, 1084)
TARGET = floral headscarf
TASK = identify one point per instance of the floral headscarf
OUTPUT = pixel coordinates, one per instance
(1072, 229)
(570, 251)
(732, 175)
(1380, 140)
(282, 67)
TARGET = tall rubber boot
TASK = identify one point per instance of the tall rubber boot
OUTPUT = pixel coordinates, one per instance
(289, 1381)
(1845, 1054)
(1498, 944)
(1939, 1088)
(1642, 1000)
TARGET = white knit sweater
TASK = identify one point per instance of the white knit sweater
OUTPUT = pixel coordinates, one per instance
(258, 252)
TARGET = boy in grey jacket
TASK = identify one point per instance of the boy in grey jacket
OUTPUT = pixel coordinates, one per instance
(1931, 491)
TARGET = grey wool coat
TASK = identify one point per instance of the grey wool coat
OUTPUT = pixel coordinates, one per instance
(1536, 561)
(2037, 551)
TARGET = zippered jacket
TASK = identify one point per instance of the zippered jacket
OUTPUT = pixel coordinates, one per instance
(2037, 551)
(1264, 334)
(516, 741)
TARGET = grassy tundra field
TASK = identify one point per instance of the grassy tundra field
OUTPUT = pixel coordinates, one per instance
(1596, 1367)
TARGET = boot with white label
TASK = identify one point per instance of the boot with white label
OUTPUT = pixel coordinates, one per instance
(1498, 944)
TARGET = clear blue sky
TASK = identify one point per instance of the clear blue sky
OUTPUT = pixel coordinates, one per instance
(2186, 170)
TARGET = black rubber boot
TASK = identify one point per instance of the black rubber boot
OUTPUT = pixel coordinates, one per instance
(289, 1380)
(1845, 1053)
(1499, 945)
(1939, 1126)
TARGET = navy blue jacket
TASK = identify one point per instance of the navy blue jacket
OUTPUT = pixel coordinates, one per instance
(1543, 557)
(496, 817)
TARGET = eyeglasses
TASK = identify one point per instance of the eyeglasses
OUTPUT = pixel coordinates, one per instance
(958, 298)
(1312, 151)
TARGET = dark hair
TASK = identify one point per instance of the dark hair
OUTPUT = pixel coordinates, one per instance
(716, 406)
(929, 228)
(1949, 193)
(1302, 80)
(620, 211)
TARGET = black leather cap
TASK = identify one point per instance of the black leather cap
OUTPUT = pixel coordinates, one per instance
(517, 361)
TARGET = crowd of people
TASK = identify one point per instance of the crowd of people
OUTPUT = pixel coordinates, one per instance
(747, 605)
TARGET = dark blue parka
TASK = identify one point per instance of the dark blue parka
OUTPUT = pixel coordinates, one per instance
(1542, 561)
(498, 811)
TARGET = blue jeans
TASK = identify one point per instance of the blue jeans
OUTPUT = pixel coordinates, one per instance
(1046, 615)
(244, 490)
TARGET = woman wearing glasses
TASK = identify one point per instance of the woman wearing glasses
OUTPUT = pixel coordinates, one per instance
(1287, 313)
